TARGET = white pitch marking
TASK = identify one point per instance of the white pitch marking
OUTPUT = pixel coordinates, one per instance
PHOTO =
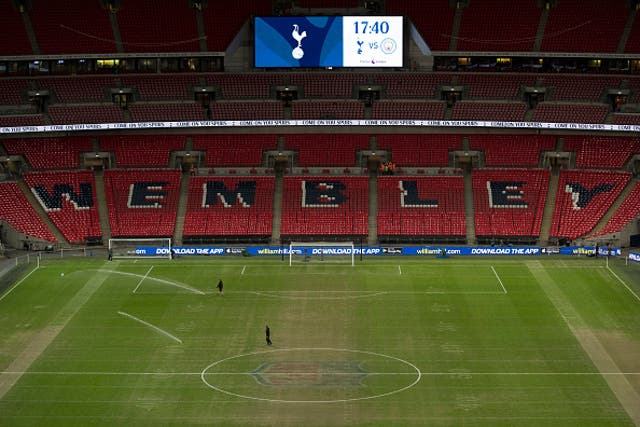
(499, 281)
(79, 373)
(142, 279)
(17, 284)
(162, 331)
(244, 267)
(155, 279)
(625, 285)
(400, 270)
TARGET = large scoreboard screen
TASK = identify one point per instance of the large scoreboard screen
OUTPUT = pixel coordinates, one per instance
(328, 41)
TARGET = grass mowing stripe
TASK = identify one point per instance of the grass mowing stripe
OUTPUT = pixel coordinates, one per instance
(619, 384)
(42, 340)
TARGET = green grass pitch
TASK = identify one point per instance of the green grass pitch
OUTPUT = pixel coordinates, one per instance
(388, 342)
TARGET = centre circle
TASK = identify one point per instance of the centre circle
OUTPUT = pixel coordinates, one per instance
(303, 371)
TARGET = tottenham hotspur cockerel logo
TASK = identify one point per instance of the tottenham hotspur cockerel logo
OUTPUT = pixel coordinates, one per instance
(297, 52)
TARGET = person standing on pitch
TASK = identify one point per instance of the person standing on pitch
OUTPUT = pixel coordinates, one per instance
(268, 334)
(220, 286)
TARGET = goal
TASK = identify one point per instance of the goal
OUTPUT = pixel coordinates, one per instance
(341, 252)
(140, 248)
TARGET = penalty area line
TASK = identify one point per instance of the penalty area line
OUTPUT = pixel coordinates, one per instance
(623, 282)
(499, 280)
(155, 328)
(142, 279)
(18, 284)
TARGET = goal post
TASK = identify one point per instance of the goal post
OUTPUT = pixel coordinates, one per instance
(340, 252)
(140, 248)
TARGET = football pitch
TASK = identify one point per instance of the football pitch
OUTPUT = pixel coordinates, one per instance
(388, 342)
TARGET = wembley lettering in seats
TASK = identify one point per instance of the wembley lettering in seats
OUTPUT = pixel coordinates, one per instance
(581, 196)
(63, 191)
(215, 192)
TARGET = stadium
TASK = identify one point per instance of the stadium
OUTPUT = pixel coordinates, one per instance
(423, 213)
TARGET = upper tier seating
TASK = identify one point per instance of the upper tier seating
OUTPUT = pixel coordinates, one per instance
(434, 22)
(321, 207)
(583, 198)
(158, 26)
(78, 26)
(13, 34)
(16, 210)
(50, 153)
(344, 109)
(245, 86)
(570, 113)
(223, 21)
(327, 149)
(234, 150)
(327, 85)
(230, 206)
(69, 199)
(105, 113)
(413, 85)
(11, 91)
(23, 120)
(142, 150)
(601, 151)
(633, 42)
(78, 89)
(572, 24)
(419, 110)
(420, 206)
(142, 203)
(509, 202)
(512, 150)
(167, 112)
(626, 119)
(420, 150)
(492, 111)
(629, 210)
(263, 110)
(494, 86)
(162, 87)
(578, 88)
(496, 25)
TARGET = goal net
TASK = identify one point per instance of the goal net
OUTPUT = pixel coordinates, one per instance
(140, 248)
(339, 252)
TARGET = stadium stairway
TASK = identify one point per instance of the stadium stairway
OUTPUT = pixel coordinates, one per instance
(182, 207)
(103, 210)
(276, 221)
(622, 43)
(202, 34)
(614, 207)
(41, 213)
(26, 19)
(373, 208)
(468, 208)
(549, 206)
(115, 28)
(542, 25)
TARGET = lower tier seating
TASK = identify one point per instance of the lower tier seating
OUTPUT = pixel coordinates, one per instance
(16, 210)
(229, 206)
(142, 202)
(509, 202)
(629, 210)
(68, 198)
(420, 206)
(325, 207)
(583, 198)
